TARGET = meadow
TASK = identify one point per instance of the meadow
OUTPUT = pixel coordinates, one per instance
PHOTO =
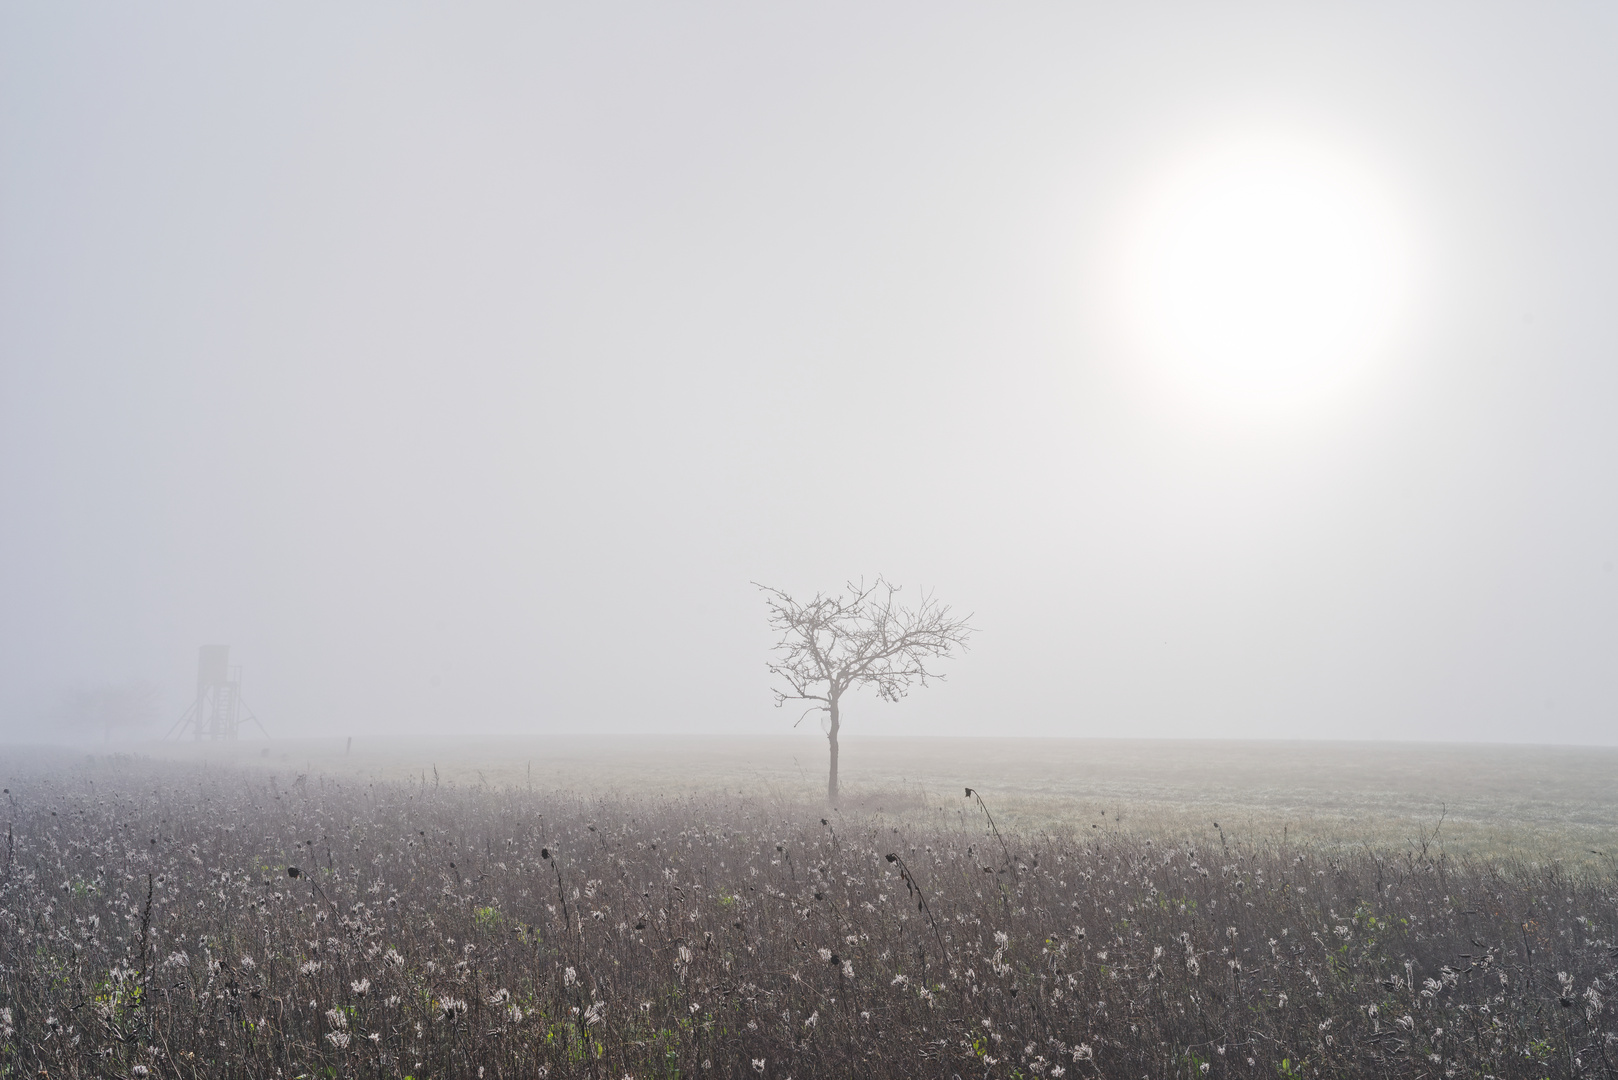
(648, 910)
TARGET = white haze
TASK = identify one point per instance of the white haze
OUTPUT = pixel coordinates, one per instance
(460, 365)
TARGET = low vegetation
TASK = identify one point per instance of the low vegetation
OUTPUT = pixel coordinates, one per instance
(172, 920)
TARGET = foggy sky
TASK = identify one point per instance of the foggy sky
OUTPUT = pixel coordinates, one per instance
(461, 366)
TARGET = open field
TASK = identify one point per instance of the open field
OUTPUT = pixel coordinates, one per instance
(1538, 802)
(695, 911)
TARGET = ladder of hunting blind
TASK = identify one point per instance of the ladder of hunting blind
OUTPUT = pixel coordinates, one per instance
(224, 710)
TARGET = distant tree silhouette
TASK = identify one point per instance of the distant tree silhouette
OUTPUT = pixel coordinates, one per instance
(108, 707)
(832, 644)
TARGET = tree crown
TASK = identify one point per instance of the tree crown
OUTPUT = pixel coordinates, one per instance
(103, 707)
(862, 637)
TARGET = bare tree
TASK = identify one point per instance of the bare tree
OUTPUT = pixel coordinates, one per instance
(865, 637)
(107, 707)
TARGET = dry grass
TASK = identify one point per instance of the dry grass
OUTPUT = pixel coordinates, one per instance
(148, 922)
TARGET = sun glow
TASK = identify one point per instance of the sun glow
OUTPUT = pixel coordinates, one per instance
(1266, 272)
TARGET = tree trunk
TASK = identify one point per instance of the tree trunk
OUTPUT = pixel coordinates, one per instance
(831, 737)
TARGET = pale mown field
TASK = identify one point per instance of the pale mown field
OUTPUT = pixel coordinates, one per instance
(1534, 802)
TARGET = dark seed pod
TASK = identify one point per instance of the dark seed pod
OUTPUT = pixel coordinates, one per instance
(544, 853)
(293, 871)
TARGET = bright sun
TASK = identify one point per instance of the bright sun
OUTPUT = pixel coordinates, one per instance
(1265, 271)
